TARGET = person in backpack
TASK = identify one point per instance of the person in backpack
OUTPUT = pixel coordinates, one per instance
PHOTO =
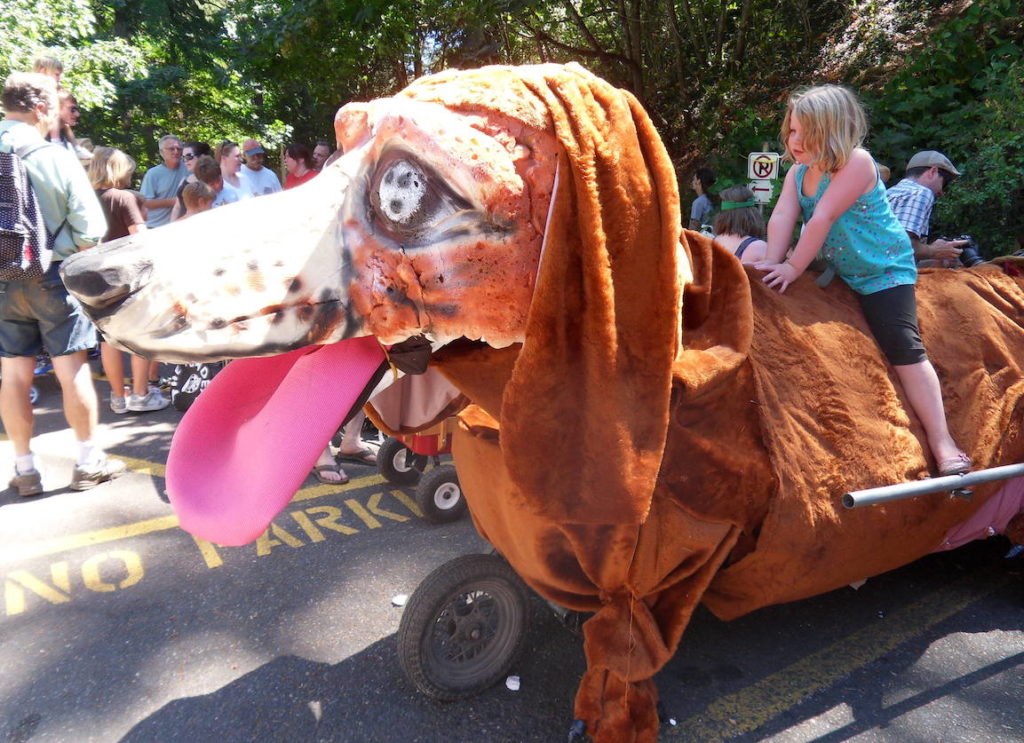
(36, 311)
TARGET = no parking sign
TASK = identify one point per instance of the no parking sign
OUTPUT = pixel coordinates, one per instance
(763, 166)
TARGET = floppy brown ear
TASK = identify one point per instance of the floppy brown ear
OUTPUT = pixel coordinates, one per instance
(585, 413)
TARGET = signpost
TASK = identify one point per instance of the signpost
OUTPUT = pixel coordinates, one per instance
(762, 191)
(763, 168)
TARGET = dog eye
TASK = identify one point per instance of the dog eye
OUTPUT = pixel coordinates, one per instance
(409, 200)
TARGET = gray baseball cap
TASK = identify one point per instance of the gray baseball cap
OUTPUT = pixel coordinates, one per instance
(932, 159)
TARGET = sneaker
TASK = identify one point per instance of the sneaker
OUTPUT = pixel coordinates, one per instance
(84, 478)
(29, 483)
(152, 400)
(119, 404)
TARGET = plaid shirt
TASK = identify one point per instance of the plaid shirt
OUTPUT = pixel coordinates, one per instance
(912, 204)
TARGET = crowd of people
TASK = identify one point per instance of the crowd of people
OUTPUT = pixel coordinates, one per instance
(85, 197)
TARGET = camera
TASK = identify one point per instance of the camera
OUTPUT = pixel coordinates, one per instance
(971, 255)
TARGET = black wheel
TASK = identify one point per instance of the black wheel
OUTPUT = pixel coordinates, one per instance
(439, 495)
(399, 464)
(463, 627)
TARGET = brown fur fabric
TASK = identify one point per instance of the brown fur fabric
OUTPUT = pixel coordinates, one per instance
(657, 449)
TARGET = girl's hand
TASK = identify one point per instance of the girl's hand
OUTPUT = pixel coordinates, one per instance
(779, 275)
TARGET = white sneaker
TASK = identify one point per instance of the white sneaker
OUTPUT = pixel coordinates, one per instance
(119, 404)
(152, 400)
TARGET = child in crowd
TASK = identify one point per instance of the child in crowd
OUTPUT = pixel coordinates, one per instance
(739, 226)
(198, 197)
(110, 173)
(701, 208)
(49, 66)
(836, 189)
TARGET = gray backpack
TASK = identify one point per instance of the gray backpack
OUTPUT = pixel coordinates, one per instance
(26, 247)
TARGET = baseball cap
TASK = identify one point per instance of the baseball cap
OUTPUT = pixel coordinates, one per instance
(932, 159)
(252, 147)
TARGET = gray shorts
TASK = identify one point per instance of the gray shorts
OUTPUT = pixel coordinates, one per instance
(39, 313)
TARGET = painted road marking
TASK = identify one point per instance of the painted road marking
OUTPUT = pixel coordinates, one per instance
(314, 523)
(57, 545)
(755, 705)
(95, 572)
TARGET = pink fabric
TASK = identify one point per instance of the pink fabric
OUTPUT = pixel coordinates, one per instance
(990, 519)
(250, 439)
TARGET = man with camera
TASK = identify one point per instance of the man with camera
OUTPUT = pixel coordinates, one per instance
(928, 174)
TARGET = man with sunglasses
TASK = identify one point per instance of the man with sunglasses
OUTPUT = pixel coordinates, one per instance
(928, 174)
(161, 182)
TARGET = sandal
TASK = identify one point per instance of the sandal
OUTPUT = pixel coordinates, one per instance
(959, 464)
(366, 455)
(320, 469)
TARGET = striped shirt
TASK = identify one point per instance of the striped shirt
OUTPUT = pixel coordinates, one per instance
(912, 204)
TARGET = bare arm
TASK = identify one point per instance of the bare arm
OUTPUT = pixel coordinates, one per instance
(939, 249)
(160, 203)
(783, 220)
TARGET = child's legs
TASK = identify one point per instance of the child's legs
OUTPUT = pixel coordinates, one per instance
(140, 375)
(113, 368)
(892, 316)
(921, 384)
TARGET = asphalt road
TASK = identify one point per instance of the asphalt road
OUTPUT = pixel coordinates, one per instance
(119, 626)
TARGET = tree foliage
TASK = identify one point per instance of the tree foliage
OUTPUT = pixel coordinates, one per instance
(713, 73)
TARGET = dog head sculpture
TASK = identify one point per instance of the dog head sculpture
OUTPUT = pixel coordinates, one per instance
(430, 224)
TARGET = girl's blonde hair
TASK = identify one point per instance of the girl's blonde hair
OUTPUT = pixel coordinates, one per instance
(110, 168)
(833, 123)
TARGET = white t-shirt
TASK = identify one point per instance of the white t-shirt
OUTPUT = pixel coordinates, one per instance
(228, 195)
(261, 182)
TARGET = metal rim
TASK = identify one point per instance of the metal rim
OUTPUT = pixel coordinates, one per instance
(447, 496)
(400, 461)
(473, 632)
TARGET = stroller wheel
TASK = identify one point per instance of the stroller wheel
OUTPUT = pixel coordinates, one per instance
(439, 495)
(464, 627)
(399, 464)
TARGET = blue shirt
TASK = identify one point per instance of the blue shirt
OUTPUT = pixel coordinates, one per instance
(701, 208)
(160, 182)
(912, 204)
(867, 246)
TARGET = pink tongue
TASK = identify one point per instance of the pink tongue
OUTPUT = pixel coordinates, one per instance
(250, 439)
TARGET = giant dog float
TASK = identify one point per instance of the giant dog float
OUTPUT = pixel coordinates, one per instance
(643, 426)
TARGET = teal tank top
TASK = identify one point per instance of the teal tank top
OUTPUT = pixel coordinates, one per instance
(867, 246)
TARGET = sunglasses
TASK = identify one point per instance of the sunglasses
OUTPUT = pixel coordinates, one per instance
(189, 156)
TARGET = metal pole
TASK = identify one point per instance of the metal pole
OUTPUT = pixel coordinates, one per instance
(886, 493)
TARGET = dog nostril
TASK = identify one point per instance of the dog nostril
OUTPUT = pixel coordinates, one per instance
(88, 284)
(95, 288)
(102, 288)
